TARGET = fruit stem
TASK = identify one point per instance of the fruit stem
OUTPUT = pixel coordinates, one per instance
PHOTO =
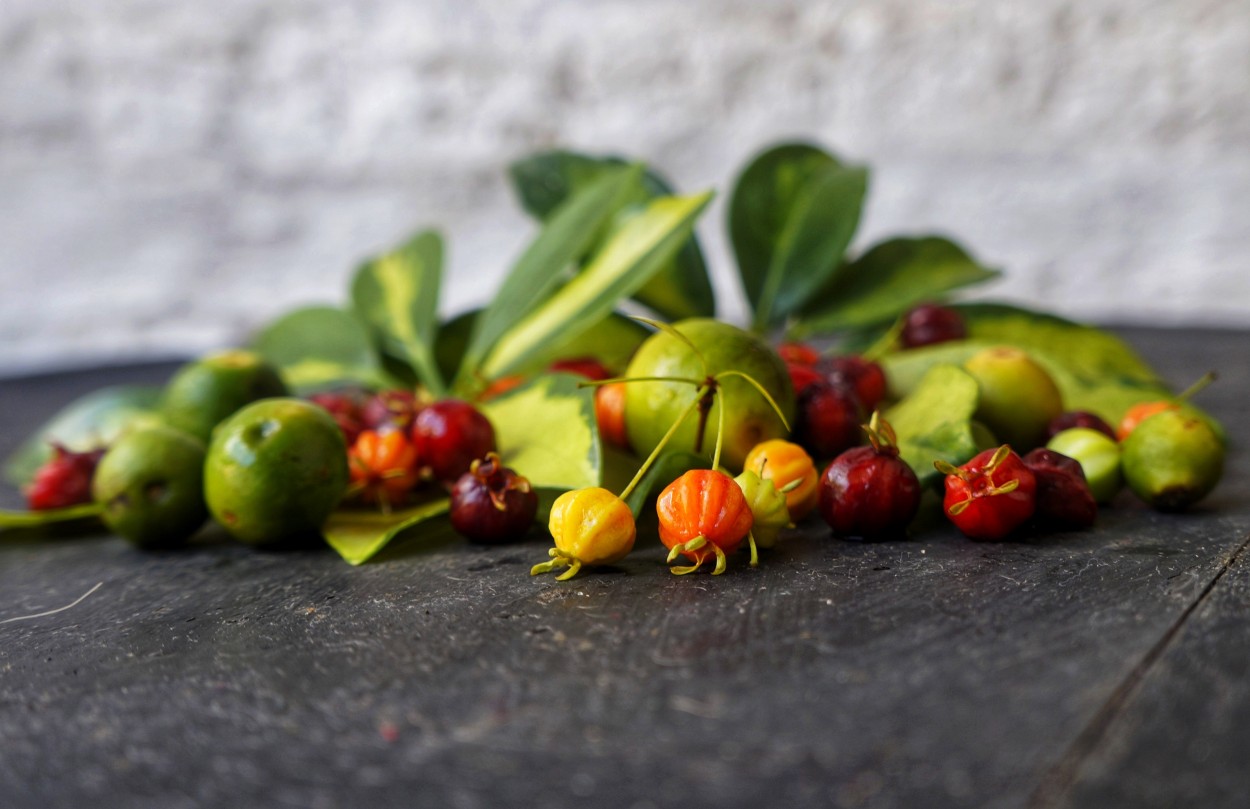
(720, 433)
(1197, 387)
(763, 392)
(655, 453)
(597, 383)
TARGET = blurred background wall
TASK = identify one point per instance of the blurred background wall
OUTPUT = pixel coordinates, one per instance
(174, 172)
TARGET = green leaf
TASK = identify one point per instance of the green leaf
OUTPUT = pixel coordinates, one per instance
(793, 211)
(359, 534)
(1094, 370)
(889, 279)
(546, 431)
(934, 422)
(682, 288)
(321, 346)
(38, 519)
(571, 231)
(629, 258)
(90, 422)
(1090, 354)
(397, 296)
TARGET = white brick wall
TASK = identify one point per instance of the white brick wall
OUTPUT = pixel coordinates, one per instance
(172, 173)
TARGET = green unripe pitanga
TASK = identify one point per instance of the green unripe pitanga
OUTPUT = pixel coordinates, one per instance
(1172, 460)
(205, 391)
(652, 407)
(1017, 399)
(150, 483)
(275, 470)
(1099, 457)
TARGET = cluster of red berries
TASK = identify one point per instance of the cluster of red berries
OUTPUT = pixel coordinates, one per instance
(396, 444)
(833, 394)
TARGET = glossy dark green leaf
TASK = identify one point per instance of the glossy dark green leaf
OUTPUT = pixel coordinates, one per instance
(682, 288)
(396, 295)
(90, 422)
(887, 280)
(934, 421)
(626, 261)
(569, 233)
(39, 519)
(321, 346)
(793, 211)
(358, 534)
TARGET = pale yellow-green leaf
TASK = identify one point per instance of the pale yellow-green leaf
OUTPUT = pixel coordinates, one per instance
(546, 431)
(358, 534)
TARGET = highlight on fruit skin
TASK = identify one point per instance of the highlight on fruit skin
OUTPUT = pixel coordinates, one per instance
(704, 515)
(590, 526)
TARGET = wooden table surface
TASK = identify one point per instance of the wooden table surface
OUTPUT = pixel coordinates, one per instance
(1104, 668)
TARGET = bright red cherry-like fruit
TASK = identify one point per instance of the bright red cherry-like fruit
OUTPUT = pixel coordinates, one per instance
(866, 377)
(803, 376)
(345, 406)
(449, 436)
(798, 354)
(828, 419)
(990, 496)
(492, 503)
(64, 480)
(1063, 496)
(870, 492)
(929, 323)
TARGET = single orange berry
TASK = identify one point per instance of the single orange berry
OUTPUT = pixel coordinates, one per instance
(610, 413)
(1138, 413)
(383, 467)
(590, 526)
(791, 470)
(703, 514)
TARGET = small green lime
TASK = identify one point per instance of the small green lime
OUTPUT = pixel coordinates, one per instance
(1172, 460)
(150, 483)
(651, 408)
(204, 392)
(1099, 457)
(1017, 397)
(275, 470)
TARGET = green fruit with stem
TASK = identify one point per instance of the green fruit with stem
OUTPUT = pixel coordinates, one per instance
(150, 483)
(1017, 397)
(202, 393)
(1172, 460)
(275, 471)
(671, 365)
(1099, 457)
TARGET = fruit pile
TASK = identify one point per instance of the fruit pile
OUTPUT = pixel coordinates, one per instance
(363, 422)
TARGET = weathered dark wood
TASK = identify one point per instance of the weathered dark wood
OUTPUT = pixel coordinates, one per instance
(936, 672)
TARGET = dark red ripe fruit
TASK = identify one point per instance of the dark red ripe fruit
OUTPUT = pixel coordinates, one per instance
(798, 353)
(491, 503)
(870, 493)
(64, 480)
(1063, 495)
(801, 376)
(827, 420)
(991, 495)
(588, 367)
(345, 406)
(450, 435)
(929, 323)
(390, 410)
(865, 376)
(1078, 418)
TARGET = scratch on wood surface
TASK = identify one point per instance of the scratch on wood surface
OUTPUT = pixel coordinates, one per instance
(1060, 779)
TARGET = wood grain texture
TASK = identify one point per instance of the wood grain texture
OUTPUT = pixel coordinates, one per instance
(934, 672)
